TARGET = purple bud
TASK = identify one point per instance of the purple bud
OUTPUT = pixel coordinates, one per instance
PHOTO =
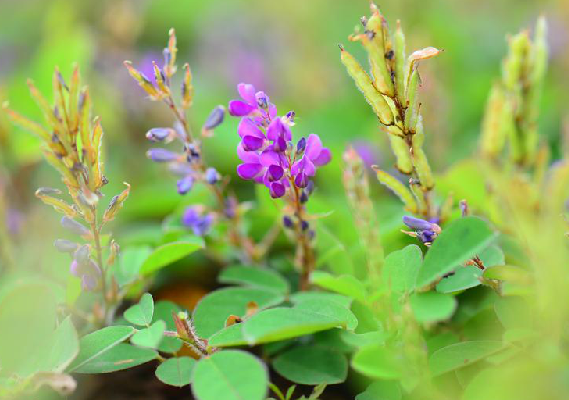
(193, 152)
(417, 223)
(262, 100)
(275, 173)
(185, 184)
(215, 118)
(301, 145)
(290, 116)
(74, 268)
(211, 176)
(280, 145)
(288, 222)
(74, 226)
(276, 190)
(310, 187)
(181, 169)
(162, 155)
(65, 246)
(301, 180)
(304, 225)
(82, 254)
(160, 134)
(303, 197)
(252, 143)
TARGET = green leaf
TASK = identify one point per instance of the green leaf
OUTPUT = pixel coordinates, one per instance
(460, 241)
(299, 297)
(229, 336)
(329, 309)
(432, 306)
(163, 312)
(400, 269)
(255, 277)
(169, 253)
(176, 371)
(97, 343)
(129, 264)
(347, 285)
(149, 337)
(462, 279)
(141, 313)
(378, 361)
(213, 310)
(508, 273)
(381, 390)
(461, 354)
(492, 256)
(312, 365)
(230, 375)
(283, 323)
(64, 348)
(121, 356)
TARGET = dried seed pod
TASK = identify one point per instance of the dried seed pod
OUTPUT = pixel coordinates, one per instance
(412, 101)
(143, 81)
(187, 88)
(397, 188)
(116, 204)
(401, 150)
(364, 83)
(27, 124)
(160, 80)
(59, 205)
(170, 67)
(114, 247)
(423, 169)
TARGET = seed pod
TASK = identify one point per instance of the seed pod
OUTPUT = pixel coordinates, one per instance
(73, 100)
(44, 107)
(170, 68)
(116, 204)
(412, 101)
(401, 151)
(187, 88)
(160, 80)
(494, 126)
(96, 168)
(399, 49)
(514, 63)
(75, 227)
(59, 205)
(65, 246)
(418, 137)
(398, 188)
(364, 83)
(25, 123)
(374, 44)
(143, 81)
(114, 247)
(419, 195)
(68, 177)
(423, 169)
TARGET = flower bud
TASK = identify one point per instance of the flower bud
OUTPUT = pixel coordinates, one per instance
(161, 155)
(214, 119)
(301, 145)
(65, 246)
(185, 184)
(288, 222)
(75, 227)
(160, 134)
(211, 176)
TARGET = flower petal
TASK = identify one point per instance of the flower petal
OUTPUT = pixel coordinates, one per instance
(238, 108)
(313, 146)
(277, 190)
(249, 170)
(247, 156)
(247, 92)
(323, 158)
(252, 143)
(248, 128)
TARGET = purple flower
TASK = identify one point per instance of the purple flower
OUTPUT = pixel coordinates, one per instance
(185, 184)
(199, 223)
(266, 148)
(426, 231)
(87, 271)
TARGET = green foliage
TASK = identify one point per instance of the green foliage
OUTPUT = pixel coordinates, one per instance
(459, 355)
(176, 371)
(254, 277)
(231, 375)
(169, 253)
(141, 313)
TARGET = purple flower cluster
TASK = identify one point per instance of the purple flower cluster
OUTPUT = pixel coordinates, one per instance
(266, 148)
(424, 230)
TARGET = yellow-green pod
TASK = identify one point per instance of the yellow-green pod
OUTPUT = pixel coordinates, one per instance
(397, 188)
(493, 132)
(58, 204)
(58, 164)
(419, 195)
(364, 83)
(399, 49)
(514, 63)
(423, 169)
(375, 47)
(412, 101)
(116, 204)
(74, 101)
(27, 124)
(419, 136)
(401, 151)
(557, 189)
(44, 106)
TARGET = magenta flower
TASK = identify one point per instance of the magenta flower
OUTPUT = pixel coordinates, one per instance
(266, 149)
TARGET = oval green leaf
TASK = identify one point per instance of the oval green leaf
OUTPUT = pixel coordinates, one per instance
(169, 253)
(461, 240)
(255, 277)
(312, 365)
(432, 306)
(461, 354)
(230, 375)
(141, 314)
(122, 356)
(378, 361)
(176, 371)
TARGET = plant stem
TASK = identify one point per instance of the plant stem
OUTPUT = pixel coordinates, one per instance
(305, 255)
(99, 255)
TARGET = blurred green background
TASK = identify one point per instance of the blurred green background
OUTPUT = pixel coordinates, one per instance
(287, 48)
